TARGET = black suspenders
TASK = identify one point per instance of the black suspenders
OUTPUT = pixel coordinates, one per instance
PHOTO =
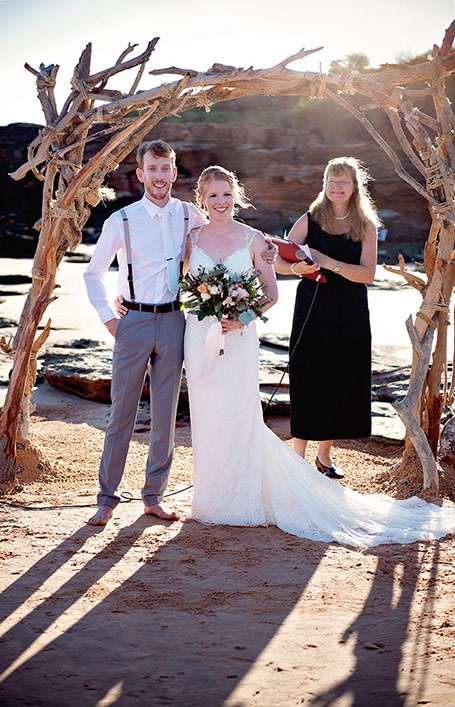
(128, 246)
(185, 234)
(128, 255)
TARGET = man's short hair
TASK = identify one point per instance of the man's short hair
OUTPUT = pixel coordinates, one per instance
(158, 148)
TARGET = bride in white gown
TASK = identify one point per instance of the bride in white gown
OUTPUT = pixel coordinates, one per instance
(243, 474)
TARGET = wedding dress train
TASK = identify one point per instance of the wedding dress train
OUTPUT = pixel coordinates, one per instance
(244, 475)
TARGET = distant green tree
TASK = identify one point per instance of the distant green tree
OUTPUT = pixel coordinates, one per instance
(408, 58)
(356, 60)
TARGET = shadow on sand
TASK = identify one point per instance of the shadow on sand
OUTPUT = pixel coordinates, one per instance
(190, 619)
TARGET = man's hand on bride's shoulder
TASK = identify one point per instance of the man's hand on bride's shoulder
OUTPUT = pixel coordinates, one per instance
(119, 307)
(270, 255)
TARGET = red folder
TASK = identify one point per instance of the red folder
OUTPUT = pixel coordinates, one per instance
(293, 253)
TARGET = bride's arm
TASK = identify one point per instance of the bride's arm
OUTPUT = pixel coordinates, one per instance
(266, 278)
(186, 260)
(266, 272)
(188, 249)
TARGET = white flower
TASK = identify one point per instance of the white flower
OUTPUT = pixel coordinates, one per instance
(213, 289)
(205, 296)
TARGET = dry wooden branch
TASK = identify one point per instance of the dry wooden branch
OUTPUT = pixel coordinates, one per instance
(450, 398)
(435, 400)
(173, 70)
(20, 374)
(128, 50)
(395, 119)
(27, 408)
(399, 169)
(72, 188)
(124, 65)
(406, 406)
(426, 119)
(447, 42)
(411, 279)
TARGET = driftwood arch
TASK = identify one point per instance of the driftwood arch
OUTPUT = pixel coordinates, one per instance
(72, 186)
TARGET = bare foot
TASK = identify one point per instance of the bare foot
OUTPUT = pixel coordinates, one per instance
(157, 510)
(101, 516)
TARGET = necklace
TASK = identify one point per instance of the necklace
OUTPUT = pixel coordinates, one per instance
(341, 218)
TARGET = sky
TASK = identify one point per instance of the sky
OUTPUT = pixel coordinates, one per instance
(196, 33)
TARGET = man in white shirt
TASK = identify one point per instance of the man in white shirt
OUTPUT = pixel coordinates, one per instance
(150, 336)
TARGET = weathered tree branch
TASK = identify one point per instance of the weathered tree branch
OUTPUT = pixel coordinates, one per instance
(124, 65)
(71, 187)
(20, 374)
(410, 278)
(406, 406)
(399, 169)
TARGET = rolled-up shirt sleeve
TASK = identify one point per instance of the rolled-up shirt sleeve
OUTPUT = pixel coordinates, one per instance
(109, 243)
(196, 217)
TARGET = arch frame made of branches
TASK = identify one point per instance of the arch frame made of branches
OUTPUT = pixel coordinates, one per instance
(72, 186)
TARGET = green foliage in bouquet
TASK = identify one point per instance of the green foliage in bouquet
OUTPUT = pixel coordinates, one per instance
(215, 293)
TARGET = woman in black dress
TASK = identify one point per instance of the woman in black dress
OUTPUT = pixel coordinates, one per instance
(330, 369)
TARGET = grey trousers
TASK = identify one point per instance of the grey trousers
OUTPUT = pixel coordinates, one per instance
(143, 341)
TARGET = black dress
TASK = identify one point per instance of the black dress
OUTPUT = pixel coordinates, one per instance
(330, 371)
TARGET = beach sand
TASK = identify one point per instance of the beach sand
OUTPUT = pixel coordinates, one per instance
(148, 612)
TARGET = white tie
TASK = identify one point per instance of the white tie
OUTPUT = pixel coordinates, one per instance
(172, 275)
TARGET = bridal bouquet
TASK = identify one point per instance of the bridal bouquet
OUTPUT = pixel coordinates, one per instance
(215, 293)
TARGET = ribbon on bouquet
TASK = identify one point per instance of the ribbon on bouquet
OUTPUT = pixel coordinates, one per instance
(214, 346)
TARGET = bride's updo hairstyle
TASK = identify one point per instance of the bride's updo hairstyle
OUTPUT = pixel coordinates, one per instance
(361, 208)
(216, 172)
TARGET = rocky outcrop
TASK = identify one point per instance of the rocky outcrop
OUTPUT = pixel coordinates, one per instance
(281, 167)
(83, 368)
(282, 170)
(21, 201)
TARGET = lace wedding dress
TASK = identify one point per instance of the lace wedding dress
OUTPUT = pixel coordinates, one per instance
(244, 475)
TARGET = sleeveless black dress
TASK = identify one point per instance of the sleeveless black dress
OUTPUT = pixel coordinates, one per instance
(330, 371)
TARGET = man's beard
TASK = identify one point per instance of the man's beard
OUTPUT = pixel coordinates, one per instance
(158, 193)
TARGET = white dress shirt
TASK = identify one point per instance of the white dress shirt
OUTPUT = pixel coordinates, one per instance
(150, 277)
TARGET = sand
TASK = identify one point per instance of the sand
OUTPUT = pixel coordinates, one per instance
(146, 612)
(149, 612)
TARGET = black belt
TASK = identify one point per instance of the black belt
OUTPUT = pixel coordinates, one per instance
(154, 308)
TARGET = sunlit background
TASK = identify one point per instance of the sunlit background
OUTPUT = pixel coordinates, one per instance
(196, 34)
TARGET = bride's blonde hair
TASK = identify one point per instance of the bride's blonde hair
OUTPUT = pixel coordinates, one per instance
(217, 172)
(361, 208)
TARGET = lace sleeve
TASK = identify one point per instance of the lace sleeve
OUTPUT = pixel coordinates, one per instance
(249, 236)
(194, 236)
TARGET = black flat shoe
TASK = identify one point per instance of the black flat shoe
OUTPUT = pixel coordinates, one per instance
(333, 472)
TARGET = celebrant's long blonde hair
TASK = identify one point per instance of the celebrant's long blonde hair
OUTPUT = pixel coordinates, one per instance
(362, 210)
